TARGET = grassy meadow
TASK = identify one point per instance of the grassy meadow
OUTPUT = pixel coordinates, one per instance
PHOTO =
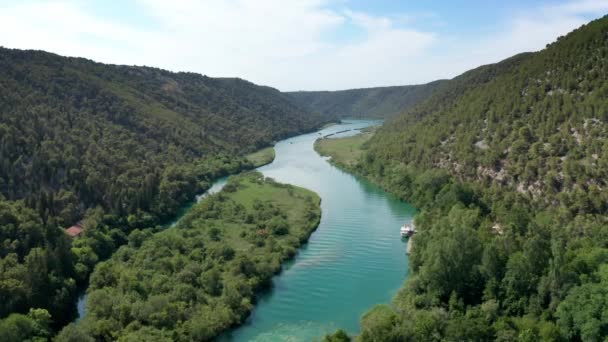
(344, 151)
(261, 157)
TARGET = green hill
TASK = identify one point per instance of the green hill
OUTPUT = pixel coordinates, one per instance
(534, 121)
(381, 102)
(56, 108)
(508, 163)
(206, 270)
(116, 147)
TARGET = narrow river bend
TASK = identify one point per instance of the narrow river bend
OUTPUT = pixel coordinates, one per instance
(355, 258)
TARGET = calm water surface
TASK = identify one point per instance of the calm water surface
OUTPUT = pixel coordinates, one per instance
(355, 258)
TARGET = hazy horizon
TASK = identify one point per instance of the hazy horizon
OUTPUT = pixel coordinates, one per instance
(296, 45)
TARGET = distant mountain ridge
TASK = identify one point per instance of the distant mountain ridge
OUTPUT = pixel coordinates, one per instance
(379, 102)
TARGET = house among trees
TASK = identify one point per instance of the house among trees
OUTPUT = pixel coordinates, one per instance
(74, 230)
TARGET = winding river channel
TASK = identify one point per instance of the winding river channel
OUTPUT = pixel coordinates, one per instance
(354, 260)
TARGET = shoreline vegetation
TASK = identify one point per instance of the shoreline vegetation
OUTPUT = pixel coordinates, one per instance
(506, 162)
(455, 223)
(465, 222)
(344, 152)
(509, 177)
(261, 157)
(110, 149)
(199, 278)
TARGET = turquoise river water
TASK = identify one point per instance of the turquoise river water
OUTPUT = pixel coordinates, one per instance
(354, 260)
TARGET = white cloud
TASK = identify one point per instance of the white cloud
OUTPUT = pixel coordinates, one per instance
(64, 28)
(521, 32)
(282, 43)
(273, 42)
(579, 7)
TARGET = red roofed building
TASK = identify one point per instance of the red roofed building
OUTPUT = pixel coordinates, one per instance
(74, 231)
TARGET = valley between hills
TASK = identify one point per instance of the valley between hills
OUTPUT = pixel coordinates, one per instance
(104, 173)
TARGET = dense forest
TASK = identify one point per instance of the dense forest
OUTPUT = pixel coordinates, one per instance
(193, 281)
(508, 164)
(113, 149)
(380, 103)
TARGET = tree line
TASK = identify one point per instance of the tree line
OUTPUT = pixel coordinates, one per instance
(193, 281)
(507, 163)
(116, 149)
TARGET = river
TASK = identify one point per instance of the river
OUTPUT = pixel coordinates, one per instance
(354, 260)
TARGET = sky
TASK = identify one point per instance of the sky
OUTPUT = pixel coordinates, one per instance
(296, 44)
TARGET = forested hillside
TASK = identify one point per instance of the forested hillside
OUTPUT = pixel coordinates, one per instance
(56, 109)
(193, 281)
(508, 163)
(381, 102)
(115, 148)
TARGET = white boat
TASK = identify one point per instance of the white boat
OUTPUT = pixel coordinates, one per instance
(407, 230)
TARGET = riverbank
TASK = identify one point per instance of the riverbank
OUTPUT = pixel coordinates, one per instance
(355, 259)
(344, 151)
(198, 278)
(211, 182)
(462, 266)
(261, 157)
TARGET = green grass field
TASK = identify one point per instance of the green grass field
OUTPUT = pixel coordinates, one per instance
(298, 206)
(344, 151)
(261, 157)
